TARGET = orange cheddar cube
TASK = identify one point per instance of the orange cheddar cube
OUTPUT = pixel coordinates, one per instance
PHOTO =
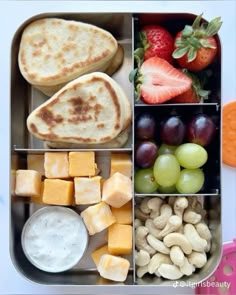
(38, 199)
(82, 164)
(120, 239)
(113, 268)
(117, 190)
(28, 183)
(96, 254)
(56, 164)
(36, 162)
(121, 163)
(123, 215)
(58, 192)
(97, 217)
(87, 190)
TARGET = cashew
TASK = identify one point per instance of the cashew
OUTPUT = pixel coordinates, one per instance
(156, 262)
(154, 214)
(144, 207)
(203, 231)
(141, 242)
(140, 215)
(137, 223)
(179, 206)
(197, 259)
(198, 244)
(177, 255)
(180, 229)
(187, 268)
(142, 258)
(151, 228)
(191, 216)
(141, 271)
(170, 272)
(173, 223)
(178, 240)
(157, 244)
(171, 201)
(166, 212)
(154, 205)
(157, 273)
(197, 207)
(192, 201)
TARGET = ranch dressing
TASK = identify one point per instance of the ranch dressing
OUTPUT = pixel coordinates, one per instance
(54, 239)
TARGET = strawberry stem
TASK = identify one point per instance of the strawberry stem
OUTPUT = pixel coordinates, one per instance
(194, 37)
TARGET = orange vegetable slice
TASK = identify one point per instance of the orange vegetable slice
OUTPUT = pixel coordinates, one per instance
(229, 134)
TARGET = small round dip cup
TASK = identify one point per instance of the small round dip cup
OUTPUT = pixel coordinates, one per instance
(54, 239)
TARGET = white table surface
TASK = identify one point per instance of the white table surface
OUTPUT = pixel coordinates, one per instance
(13, 14)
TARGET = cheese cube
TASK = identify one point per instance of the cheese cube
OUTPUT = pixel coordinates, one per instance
(123, 215)
(58, 192)
(120, 239)
(121, 163)
(56, 164)
(87, 190)
(97, 254)
(117, 190)
(28, 183)
(82, 164)
(97, 217)
(38, 199)
(36, 162)
(113, 268)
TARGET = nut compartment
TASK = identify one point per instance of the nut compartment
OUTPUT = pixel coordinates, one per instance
(213, 220)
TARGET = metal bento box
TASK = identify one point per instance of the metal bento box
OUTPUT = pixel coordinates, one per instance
(25, 98)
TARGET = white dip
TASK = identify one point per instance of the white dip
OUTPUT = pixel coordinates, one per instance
(54, 238)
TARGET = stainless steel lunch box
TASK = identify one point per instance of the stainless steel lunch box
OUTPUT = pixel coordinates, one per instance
(25, 98)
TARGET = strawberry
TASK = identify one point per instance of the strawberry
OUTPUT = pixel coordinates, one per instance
(196, 46)
(156, 41)
(195, 94)
(158, 81)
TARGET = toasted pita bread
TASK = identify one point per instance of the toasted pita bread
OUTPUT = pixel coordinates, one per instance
(55, 51)
(115, 143)
(50, 90)
(116, 62)
(92, 109)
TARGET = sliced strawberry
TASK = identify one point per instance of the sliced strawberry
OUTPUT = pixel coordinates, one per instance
(196, 94)
(160, 81)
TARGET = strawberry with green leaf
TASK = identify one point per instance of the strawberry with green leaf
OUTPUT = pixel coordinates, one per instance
(157, 81)
(196, 45)
(156, 41)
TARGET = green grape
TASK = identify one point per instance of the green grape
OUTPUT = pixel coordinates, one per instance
(144, 181)
(191, 155)
(167, 189)
(190, 181)
(166, 170)
(166, 149)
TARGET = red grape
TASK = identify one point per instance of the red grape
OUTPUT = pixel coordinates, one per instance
(145, 126)
(173, 131)
(146, 154)
(201, 130)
